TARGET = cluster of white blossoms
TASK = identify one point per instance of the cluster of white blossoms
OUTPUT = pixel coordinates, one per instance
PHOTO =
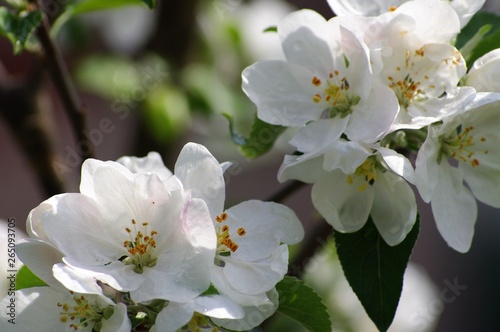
(365, 92)
(143, 248)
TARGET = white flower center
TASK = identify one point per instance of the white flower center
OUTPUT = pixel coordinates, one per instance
(141, 248)
(365, 174)
(81, 314)
(335, 94)
(461, 145)
(225, 245)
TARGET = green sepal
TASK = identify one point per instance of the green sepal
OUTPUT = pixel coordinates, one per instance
(108, 312)
(272, 28)
(261, 139)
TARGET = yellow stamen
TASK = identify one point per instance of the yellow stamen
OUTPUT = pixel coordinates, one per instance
(141, 248)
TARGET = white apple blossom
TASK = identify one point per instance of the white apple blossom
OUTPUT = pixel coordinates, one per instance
(252, 237)
(327, 77)
(411, 53)
(45, 261)
(49, 309)
(251, 253)
(359, 182)
(465, 9)
(471, 140)
(136, 232)
(484, 75)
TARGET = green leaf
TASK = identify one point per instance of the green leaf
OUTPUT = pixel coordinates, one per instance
(88, 6)
(27, 279)
(108, 76)
(486, 45)
(483, 24)
(166, 111)
(18, 4)
(261, 138)
(469, 47)
(19, 28)
(375, 270)
(302, 303)
(477, 22)
(150, 3)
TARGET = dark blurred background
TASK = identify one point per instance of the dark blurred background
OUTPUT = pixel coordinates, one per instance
(160, 79)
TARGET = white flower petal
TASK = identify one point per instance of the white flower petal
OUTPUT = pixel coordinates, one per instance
(259, 230)
(372, 117)
(356, 52)
(485, 72)
(117, 275)
(180, 273)
(39, 257)
(173, 317)
(217, 306)
(35, 307)
(254, 315)
(123, 196)
(75, 226)
(316, 136)
(436, 20)
(201, 173)
(340, 203)
(152, 163)
(255, 277)
(346, 155)
(118, 322)
(34, 222)
(282, 92)
(304, 39)
(394, 208)
(427, 167)
(76, 280)
(307, 168)
(466, 9)
(454, 209)
(38, 309)
(398, 163)
(267, 224)
(363, 8)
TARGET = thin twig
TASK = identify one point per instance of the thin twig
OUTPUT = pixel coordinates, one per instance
(63, 83)
(284, 192)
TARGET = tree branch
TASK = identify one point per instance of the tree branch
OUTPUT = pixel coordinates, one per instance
(63, 83)
(284, 192)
